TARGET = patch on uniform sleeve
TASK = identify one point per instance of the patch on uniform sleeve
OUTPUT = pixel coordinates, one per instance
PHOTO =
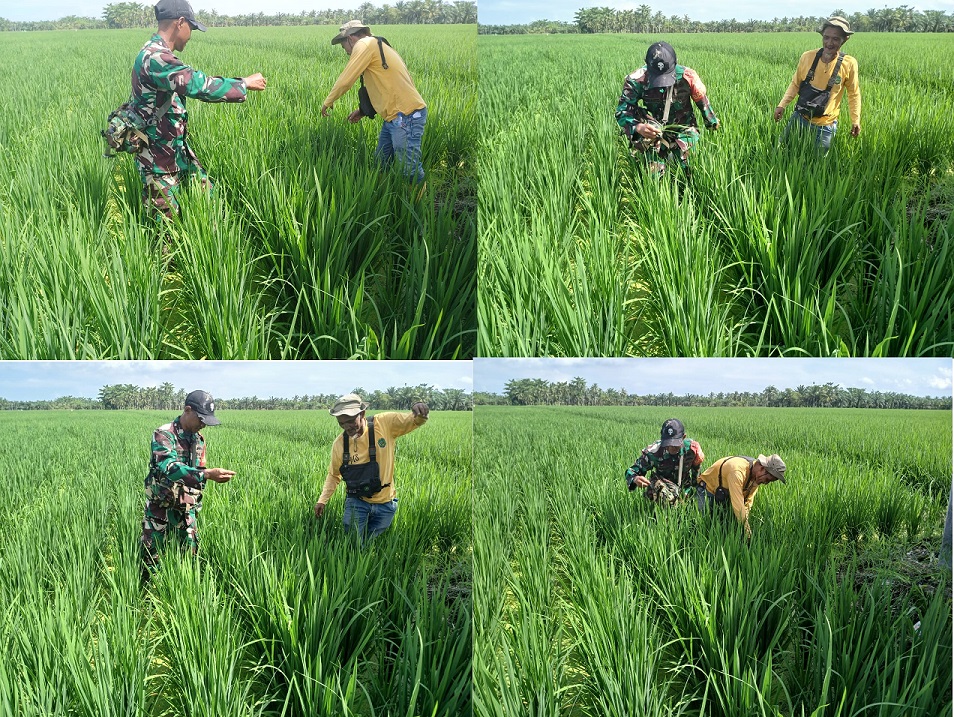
(382, 443)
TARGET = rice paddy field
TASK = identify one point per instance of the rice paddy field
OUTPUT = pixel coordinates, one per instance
(281, 614)
(304, 249)
(589, 603)
(766, 251)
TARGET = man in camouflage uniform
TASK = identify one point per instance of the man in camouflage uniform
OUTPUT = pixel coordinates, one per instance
(176, 479)
(655, 110)
(160, 84)
(664, 459)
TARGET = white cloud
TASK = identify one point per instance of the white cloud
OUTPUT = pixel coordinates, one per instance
(940, 382)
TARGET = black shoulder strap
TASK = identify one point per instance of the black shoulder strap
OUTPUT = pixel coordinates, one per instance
(384, 63)
(371, 450)
(748, 458)
(346, 457)
(720, 467)
(834, 73)
(811, 73)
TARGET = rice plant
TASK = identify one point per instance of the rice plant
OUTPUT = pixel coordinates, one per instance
(281, 614)
(590, 602)
(304, 249)
(766, 250)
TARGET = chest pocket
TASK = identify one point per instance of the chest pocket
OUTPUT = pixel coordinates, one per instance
(362, 480)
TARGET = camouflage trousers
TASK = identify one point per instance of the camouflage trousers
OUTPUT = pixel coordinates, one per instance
(657, 152)
(160, 192)
(664, 492)
(163, 524)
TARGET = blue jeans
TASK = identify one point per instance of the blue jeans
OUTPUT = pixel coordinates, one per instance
(401, 139)
(369, 519)
(822, 135)
(705, 501)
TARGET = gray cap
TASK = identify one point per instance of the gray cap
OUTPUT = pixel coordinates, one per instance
(774, 465)
(174, 9)
(348, 405)
(349, 29)
(201, 402)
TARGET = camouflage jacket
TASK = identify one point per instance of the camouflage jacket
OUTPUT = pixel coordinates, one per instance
(639, 102)
(665, 465)
(157, 73)
(177, 468)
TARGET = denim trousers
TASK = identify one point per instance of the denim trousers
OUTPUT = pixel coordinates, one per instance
(369, 519)
(821, 135)
(400, 140)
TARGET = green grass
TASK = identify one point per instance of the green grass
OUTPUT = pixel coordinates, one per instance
(588, 603)
(281, 613)
(766, 251)
(304, 250)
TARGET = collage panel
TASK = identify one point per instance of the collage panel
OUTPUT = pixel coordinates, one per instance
(315, 578)
(696, 186)
(719, 537)
(174, 210)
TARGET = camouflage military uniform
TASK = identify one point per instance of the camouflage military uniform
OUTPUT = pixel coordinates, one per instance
(664, 484)
(158, 74)
(173, 491)
(678, 142)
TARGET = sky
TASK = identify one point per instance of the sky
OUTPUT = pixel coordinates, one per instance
(46, 380)
(917, 377)
(55, 9)
(492, 12)
(510, 12)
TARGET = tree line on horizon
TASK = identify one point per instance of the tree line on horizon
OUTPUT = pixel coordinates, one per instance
(538, 391)
(166, 397)
(643, 20)
(124, 15)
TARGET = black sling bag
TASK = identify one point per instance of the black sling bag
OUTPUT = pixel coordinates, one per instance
(364, 101)
(722, 494)
(812, 101)
(364, 479)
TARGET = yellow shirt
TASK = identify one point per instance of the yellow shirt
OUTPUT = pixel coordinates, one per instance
(734, 476)
(387, 427)
(391, 90)
(848, 74)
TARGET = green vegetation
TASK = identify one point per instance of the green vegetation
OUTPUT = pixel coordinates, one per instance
(304, 249)
(538, 391)
(766, 252)
(586, 603)
(133, 14)
(280, 615)
(642, 19)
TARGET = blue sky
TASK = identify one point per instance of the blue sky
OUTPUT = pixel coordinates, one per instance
(44, 380)
(493, 12)
(55, 9)
(918, 377)
(509, 12)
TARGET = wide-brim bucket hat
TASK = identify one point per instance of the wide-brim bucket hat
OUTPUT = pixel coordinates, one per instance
(348, 405)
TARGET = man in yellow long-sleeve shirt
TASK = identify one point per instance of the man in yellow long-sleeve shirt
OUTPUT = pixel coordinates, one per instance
(363, 456)
(391, 92)
(818, 70)
(735, 481)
